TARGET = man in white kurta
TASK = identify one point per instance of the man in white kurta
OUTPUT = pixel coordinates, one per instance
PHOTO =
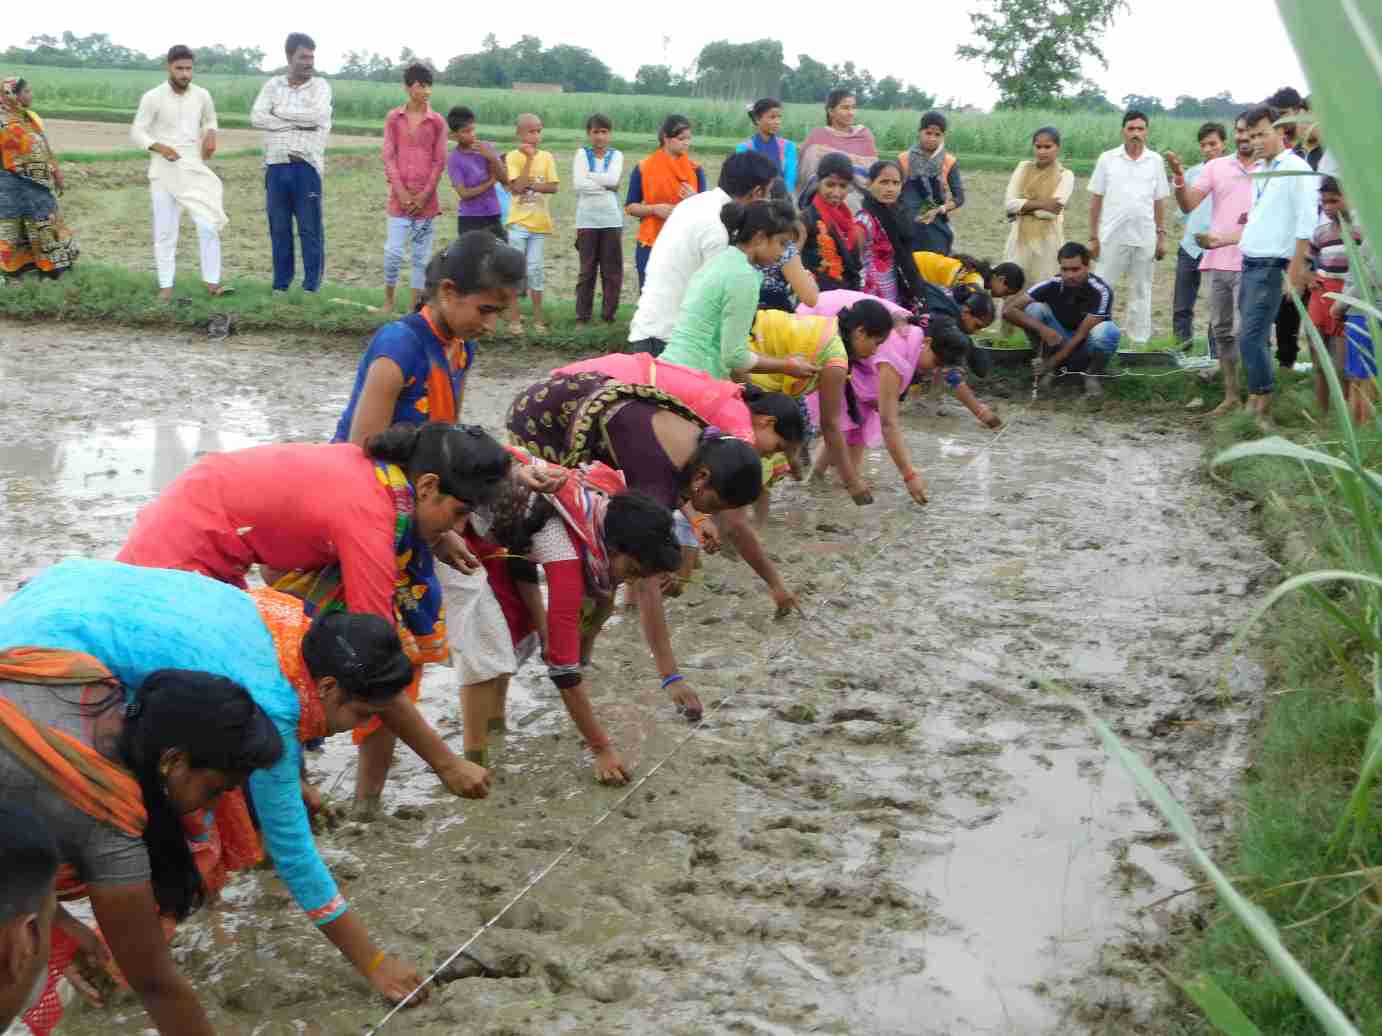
(176, 123)
(1126, 220)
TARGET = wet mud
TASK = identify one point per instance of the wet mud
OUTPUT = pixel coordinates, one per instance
(888, 827)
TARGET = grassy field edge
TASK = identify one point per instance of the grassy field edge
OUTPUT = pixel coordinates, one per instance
(1311, 738)
(633, 144)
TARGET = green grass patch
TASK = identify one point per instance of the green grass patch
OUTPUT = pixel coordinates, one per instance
(96, 292)
(1313, 738)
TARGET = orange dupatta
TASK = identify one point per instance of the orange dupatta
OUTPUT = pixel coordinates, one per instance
(663, 177)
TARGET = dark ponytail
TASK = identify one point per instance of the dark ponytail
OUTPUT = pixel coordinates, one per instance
(782, 408)
(469, 463)
(217, 724)
(736, 472)
(476, 261)
(979, 304)
(873, 318)
(639, 526)
(362, 652)
(948, 341)
(745, 222)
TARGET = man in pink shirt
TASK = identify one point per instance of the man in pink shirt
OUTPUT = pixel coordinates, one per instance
(414, 158)
(1227, 181)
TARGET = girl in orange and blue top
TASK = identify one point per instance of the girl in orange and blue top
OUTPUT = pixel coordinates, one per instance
(414, 369)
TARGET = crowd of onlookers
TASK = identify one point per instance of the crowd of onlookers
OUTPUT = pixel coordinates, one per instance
(865, 222)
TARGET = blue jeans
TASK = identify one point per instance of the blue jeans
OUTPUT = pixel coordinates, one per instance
(1103, 339)
(294, 191)
(1259, 299)
(402, 231)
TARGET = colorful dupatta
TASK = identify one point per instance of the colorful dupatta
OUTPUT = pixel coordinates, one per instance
(32, 236)
(582, 502)
(419, 609)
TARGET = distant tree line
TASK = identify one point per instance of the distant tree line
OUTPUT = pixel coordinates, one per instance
(723, 70)
(98, 51)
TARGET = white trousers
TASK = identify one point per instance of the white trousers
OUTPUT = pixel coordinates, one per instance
(167, 222)
(1138, 262)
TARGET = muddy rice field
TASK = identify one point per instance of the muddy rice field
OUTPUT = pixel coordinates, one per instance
(887, 827)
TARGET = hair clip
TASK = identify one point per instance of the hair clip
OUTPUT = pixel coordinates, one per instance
(133, 709)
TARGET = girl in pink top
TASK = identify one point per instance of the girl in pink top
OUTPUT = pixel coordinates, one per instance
(414, 160)
(881, 380)
(358, 525)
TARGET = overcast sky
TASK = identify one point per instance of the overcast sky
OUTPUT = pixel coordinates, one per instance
(1163, 47)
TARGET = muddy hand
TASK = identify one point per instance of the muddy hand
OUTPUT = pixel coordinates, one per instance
(395, 980)
(916, 486)
(860, 492)
(466, 779)
(87, 991)
(687, 702)
(786, 602)
(609, 769)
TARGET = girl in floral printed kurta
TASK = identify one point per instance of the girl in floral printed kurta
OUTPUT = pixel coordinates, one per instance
(32, 235)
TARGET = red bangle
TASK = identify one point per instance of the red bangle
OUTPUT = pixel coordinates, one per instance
(908, 475)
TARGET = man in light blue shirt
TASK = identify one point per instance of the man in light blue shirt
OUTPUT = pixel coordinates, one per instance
(1275, 243)
(1212, 138)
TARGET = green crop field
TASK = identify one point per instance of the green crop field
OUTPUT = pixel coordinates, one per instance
(94, 93)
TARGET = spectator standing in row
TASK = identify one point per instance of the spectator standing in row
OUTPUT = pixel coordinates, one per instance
(1288, 104)
(692, 237)
(1126, 222)
(294, 111)
(766, 116)
(932, 188)
(660, 183)
(840, 135)
(414, 158)
(475, 170)
(532, 177)
(176, 123)
(596, 170)
(1038, 192)
(1275, 242)
(1212, 137)
(1226, 185)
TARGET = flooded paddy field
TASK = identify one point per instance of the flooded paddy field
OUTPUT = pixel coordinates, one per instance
(887, 828)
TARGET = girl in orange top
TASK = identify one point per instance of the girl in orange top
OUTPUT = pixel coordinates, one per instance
(658, 183)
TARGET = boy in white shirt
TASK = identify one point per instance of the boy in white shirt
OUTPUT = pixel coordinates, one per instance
(595, 172)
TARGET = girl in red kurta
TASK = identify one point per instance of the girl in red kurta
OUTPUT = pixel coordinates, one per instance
(354, 527)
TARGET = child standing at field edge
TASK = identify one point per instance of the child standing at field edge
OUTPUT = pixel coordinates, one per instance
(474, 169)
(595, 174)
(532, 177)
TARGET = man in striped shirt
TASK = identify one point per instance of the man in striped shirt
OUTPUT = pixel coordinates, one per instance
(294, 111)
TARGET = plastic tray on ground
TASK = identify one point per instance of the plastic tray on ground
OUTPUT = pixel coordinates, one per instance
(1153, 358)
(1006, 357)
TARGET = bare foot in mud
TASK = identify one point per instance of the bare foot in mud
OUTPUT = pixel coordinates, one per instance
(311, 798)
(1228, 406)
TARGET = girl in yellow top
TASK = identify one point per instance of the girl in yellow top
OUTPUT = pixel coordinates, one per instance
(950, 271)
(831, 344)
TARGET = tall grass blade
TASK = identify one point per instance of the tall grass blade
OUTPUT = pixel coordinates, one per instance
(1217, 1006)
(1331, 1019)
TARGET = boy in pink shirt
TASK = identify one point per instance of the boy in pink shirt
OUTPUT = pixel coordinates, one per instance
(1228, 183)
(414, 158)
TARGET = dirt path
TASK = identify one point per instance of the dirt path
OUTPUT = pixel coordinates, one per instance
(887, 830)
(75, 135)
